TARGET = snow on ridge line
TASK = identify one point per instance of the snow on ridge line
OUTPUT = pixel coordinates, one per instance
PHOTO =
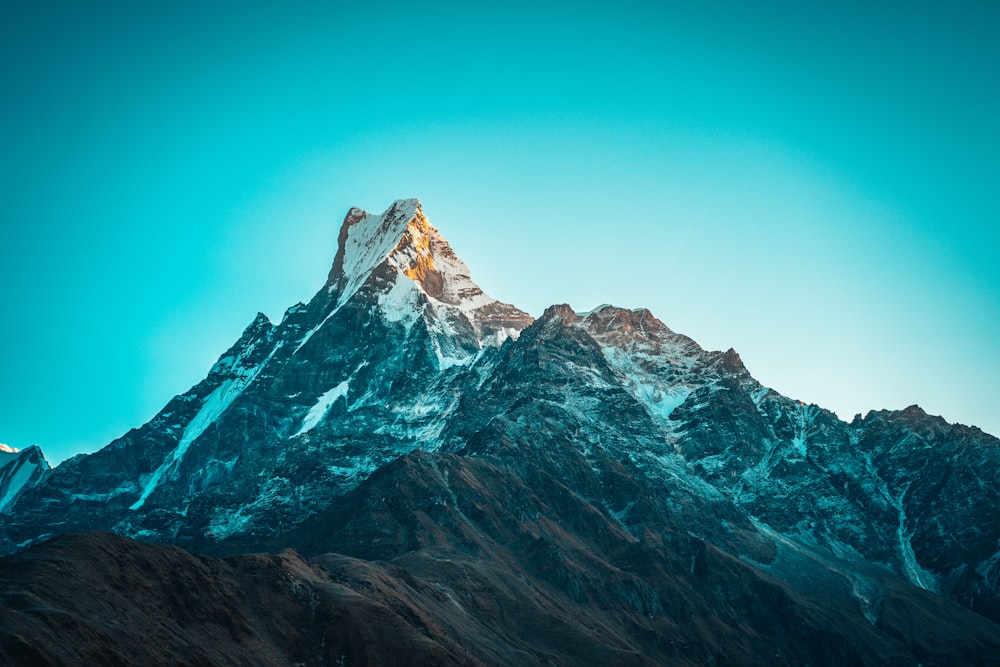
(211, 409)
(309, 334)
(596, 309)
(17, 482)
(8, 449)
(373, 239)
(370, 239)
(428, 249)
(369, 242)
(214, 405)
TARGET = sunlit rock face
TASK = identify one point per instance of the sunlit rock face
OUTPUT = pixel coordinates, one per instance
(593, 470)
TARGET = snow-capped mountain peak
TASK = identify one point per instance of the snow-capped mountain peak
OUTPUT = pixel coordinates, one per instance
(403, 238)
(365, 242)
(412, 270)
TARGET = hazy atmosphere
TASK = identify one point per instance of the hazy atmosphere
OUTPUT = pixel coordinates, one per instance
(814, 188)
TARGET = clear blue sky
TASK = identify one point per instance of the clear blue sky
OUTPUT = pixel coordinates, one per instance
(818, 188)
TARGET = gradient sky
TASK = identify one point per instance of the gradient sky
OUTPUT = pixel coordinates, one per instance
(818, 188)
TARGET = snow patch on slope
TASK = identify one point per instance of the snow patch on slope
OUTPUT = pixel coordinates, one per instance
(370, 240)
(402, 302)
(916, 574)
(658, 397)
(21, 475)
(213, 407)
(309, 334)
(803, 420)
(322, 406)
(911, 568)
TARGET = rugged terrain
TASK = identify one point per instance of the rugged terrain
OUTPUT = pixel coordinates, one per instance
(584, 487)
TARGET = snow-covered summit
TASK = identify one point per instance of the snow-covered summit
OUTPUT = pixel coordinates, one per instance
(365, 242)
(8, 449)
(402, 237)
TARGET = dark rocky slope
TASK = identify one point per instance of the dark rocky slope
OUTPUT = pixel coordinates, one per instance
(450, 559)
(100, 599)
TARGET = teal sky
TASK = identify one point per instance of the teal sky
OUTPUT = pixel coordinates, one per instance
(818, 188)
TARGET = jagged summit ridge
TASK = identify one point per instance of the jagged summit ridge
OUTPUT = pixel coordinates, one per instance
(366, 240)
(400, 260)
(403, 238)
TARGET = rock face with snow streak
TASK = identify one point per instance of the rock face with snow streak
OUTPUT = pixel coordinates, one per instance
(19, 471)
(401, 407)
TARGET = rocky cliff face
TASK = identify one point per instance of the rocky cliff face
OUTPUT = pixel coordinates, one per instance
(641, 487)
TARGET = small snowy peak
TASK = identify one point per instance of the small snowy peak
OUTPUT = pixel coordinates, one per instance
(656, 365)
(365, 242)
(555, 320)
(403, 242)
(7, 449)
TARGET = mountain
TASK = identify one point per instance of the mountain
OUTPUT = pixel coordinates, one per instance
(473, 475)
